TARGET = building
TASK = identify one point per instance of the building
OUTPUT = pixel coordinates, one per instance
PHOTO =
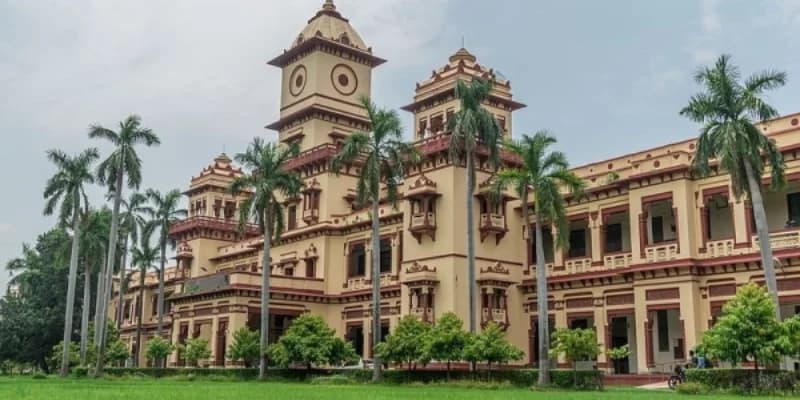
(654, 251)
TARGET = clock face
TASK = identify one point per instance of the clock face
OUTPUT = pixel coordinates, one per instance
(344, 79)
(297, 80)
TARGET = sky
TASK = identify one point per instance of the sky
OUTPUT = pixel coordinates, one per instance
(606, 78)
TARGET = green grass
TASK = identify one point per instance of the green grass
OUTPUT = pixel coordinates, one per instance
(150, 389)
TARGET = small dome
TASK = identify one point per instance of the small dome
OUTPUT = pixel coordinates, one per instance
(329, 24)
(462, 54)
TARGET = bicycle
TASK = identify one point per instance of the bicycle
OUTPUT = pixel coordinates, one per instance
(678, 377)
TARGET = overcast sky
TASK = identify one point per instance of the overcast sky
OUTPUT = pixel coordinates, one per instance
(606, 77)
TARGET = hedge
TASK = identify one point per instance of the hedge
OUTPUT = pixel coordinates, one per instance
(744, 380)
(516, 377)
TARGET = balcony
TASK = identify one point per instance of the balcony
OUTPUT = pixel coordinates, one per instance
(618, 260)
(423, 224)
(578, 265)
(661, 252)
(362, 282)
(720, 248)
(786, 239)
(497, 315)
(310, 215)
(425, 314)
(493, 224)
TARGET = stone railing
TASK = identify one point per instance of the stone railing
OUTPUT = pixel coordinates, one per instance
(362, 282)
(548, 266)
(578, 265)
(423, 219)
(661, 252)
(423, 313)
(311, 214)
(782, 240)
(493, 221)
(496, 315)
(618, 260)
(720, 248)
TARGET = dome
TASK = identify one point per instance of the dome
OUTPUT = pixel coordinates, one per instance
(329, 24)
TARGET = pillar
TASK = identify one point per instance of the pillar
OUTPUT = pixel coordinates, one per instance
(172, 359)
(601, 330)
(692, 315)
(212, 342)
(641, 321)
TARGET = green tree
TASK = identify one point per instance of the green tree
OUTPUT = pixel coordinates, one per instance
(470, 127)
(94, 232)
(728, 110)
(268, 179)
(123, 162)
(195, 350)
(383, 156)
(309, 341)
(117, 353)
(143, 257)
(158, 349)
(544, 172)
(405, 344)
(245, 347)
(130, 220)
(31, 320)
(576, 345)
(68, 188)
(164, 210)
(618, 353)
(491, 346)
(446, 340)
(747, 329)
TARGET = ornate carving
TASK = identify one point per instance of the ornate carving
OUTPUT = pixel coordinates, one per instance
(619, 299)
(662, 294)
(497, 268)
(422, 181)
(311, 251)
(584, 302)
(417, 267)
(722, 290)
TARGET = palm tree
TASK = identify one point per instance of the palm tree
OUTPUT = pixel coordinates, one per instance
(112, 171)
(130, 220)
(543, 172)
(728, 109)
(470, 127)
(93, 234)
(67, 187)
(267, 178)
(163, 212)
(383, 156)
(144, 257)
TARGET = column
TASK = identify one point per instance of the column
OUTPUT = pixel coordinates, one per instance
(643, 331)
(172, 359)
(212, 341)
(691, 314)
(601, 325)
(596, 227)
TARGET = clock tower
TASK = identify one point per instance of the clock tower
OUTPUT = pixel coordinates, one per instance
(325, 72)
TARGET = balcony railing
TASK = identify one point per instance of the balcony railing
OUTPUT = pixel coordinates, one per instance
(493, 221)
(787, 239)
(720, 248)
(578, 265)
(423, 313)
(620, 260)
(362, 282)
(310, 215)
(496, 315)
(423, 220)
(661, 252)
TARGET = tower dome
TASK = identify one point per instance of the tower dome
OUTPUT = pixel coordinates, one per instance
(329, 24)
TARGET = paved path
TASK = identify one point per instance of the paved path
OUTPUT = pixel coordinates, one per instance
(655, 386)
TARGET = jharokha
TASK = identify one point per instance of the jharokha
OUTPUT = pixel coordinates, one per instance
(654, 251)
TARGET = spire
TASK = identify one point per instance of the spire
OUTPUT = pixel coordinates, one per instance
(462, 54)
(329, 6)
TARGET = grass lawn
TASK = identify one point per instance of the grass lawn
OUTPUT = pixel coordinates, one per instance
(148, 389)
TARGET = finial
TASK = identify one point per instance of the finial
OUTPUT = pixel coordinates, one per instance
(329, 5)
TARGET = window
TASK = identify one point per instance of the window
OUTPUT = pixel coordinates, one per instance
(613, 238)
(581, 323)
(292, 217)
(793, 206)
(658, 229)
(126, 310)
(154, 302)
(289, 270)
(386, 256)
(357, 264)
(311, 268)
(663, 330)
(577, 243)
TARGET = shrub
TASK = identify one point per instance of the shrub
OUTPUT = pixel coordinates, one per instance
(404, 345)
(245, 347)
(744, 380)
(691, 388)
(39, 375)
(158, 349)
(80, 372)
(196, 349)
(309, 341)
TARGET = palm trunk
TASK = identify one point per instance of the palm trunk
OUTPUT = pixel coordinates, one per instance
(112, 250)
(139, 312)
(72, 277)
(122, 283)
(265, 271)
(98, 304)
(376, 285)
(85, 308)
(541, 302)
(763, 236)
(160, 305)
(471, 243)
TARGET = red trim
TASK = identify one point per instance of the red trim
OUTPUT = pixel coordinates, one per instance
(656, 197)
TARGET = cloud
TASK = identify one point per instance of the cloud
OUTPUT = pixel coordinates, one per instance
(5, 227)
(710, 17)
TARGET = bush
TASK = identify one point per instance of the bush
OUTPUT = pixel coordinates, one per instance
(744, 380)
(80, 372)
(691, 388)
(39, 375)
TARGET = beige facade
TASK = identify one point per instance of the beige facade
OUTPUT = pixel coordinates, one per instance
(654, 251)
